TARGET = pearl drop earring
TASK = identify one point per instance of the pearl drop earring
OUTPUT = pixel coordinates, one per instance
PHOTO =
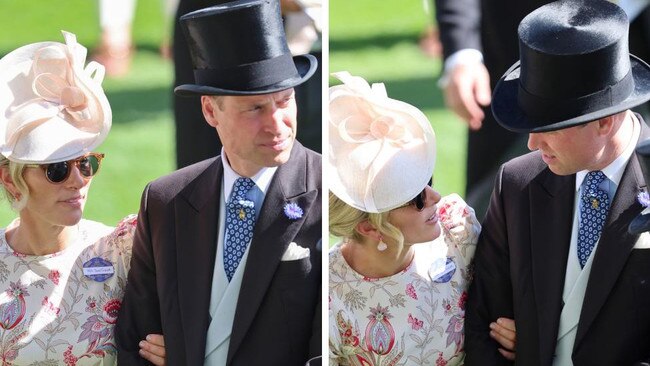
(381, 246)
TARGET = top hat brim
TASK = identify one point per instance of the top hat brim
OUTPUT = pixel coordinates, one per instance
(306, 66)
(509, 115)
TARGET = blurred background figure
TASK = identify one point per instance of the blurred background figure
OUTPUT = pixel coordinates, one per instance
(116, 45)
(169, 8)
(302, 23)
(195, 140)
(430, 37)
(479, 40)
(115, 49)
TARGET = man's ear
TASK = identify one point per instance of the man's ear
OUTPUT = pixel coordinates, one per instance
(609, 123)
(208, 106)
(605, 125)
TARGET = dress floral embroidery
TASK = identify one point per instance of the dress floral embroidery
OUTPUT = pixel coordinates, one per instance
(414, 317)
(54, 313)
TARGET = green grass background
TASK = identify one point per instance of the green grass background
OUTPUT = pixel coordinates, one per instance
(140, 145)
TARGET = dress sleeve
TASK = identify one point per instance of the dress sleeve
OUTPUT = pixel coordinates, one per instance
(124, 232)
(334, 339)
(459, 225)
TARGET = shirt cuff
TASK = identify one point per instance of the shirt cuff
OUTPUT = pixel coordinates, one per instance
(466, 56)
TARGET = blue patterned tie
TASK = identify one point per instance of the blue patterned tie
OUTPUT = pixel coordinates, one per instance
(240, 220)
(594, 204)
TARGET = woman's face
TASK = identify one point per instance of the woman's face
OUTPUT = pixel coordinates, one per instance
(59, 204)
(418, 226)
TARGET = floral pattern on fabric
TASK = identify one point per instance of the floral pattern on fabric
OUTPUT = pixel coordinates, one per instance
(51, 313)
(415, 317)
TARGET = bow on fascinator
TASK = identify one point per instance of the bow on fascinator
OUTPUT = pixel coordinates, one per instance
(370, 132)
(57, 71)
(363, 123)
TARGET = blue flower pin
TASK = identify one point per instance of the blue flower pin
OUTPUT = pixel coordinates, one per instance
(292, 210)
(643, 198)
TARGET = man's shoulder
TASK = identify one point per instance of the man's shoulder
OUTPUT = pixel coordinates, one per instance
(171, 184)
(311, 156)
(313, 161)
(523, 169)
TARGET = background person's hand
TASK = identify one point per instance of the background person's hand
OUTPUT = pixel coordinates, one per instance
(153, 349)
(467, 91)
(504, 332)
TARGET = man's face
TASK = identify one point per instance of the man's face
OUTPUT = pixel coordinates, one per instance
(256, 131)
(570, 150)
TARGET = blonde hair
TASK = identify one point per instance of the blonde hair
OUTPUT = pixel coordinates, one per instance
(343, 221)
(16, 173)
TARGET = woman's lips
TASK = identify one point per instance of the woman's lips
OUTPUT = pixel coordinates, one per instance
(74, 201)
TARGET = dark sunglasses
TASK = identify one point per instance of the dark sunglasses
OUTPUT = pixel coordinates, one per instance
(420, 200)
(58, 172)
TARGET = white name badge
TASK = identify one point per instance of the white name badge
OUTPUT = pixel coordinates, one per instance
(98, 269)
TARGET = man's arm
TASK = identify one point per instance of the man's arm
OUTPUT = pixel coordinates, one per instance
(490, 293)
(465, 80)
(140, 312)
(459, 24)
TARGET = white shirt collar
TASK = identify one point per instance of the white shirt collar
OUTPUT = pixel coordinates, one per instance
(614, 171)
(262, 178)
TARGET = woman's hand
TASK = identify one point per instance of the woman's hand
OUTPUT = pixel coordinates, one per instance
(153, 349)
(504, 332)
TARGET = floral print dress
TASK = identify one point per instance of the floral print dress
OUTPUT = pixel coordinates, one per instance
(414, 317)
(60, 309)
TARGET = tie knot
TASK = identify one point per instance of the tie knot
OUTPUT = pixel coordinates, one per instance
(241, 187)
(594, 179)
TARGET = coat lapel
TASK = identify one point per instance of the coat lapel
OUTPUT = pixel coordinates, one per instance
(615, 243)
(551, 202)
(273, 233)
(196, 211)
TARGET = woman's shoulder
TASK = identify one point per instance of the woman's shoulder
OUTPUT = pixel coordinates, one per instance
(95, 229)
(4, 246)
(104, 237)
(458, 220)
(335, 249)
(336, 259)
(112, 244)
(127, 225)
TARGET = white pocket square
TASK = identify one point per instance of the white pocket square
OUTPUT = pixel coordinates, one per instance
(643, 242)
(295, 252)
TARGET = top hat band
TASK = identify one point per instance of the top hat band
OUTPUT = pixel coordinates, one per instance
(249, 76)
(558, 108)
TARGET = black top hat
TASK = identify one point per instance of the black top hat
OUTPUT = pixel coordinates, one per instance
(574, 68)
(239, 48)
(642, 222)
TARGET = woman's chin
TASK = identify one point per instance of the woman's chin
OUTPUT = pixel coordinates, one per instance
(436, 233)
(431, 235)
(71, 219)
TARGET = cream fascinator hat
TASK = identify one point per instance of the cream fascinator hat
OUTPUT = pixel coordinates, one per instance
(381, 151)
(52, 108)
